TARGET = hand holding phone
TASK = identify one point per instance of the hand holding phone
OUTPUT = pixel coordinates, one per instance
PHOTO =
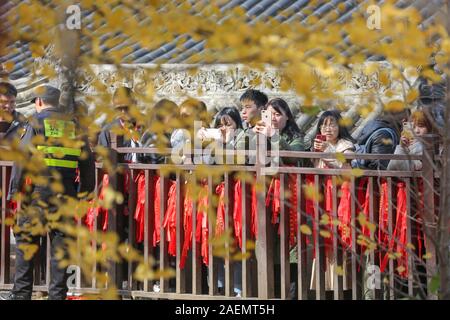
(319, 142)
(266, 117)
(407, 134)
(407, 130)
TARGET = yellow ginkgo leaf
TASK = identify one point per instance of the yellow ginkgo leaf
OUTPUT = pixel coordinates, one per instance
(28, 250)
(428, 255)
(8, 66)
(432, 75)
(305, 229)
(412, 96)
(250, 245)
(401, 269)
(357, 172)
(340, 157)
(325, 233)
(394, 106)
(384, 78)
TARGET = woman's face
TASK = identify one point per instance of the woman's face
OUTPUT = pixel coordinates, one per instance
(187, 118)
(330, 129)
(279, 119)
(227, 123)
(420, 129)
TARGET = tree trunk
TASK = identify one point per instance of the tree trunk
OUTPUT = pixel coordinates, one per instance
(444, 219)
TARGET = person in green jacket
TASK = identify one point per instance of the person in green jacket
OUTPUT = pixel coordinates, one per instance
(282, 131)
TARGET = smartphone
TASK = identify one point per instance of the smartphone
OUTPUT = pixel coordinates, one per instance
(320, 137)
(212, 133)
(407, 130)
(266, 117)
(407, 126)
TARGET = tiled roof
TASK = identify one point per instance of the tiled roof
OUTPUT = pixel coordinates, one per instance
(285, 11)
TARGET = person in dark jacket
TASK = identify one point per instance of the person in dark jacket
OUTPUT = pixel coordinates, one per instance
(11, 124)
(52, 137)
(379, 136)
(122, 102)
(10, 120)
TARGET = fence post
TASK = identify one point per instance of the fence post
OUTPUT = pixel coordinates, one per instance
(264, 243)
(114, 270)
(429, 217)
(4, 229)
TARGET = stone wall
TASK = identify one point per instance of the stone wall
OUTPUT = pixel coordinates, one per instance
(216, 85)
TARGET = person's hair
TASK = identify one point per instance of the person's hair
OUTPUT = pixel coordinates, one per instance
(198, 107)
(336, 115)
(281, 106)
(420, 118)
(8, 89)
(231, 112)
(123, 96)
(50, 102)
(258, 97)
(395, 118)
(164, 108)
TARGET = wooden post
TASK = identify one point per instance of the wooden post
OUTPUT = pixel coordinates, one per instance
(4, 230)
(429, 218)
(302, 257)
(264, 245)
(444, 212)
(114, 270)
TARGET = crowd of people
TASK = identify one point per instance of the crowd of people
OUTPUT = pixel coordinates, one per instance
(188, 126)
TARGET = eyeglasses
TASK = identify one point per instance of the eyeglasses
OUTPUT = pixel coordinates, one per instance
(330, 126)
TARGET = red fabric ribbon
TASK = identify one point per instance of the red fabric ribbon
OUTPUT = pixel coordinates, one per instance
(273, 199)
(187, 226)
(220, 219)
(170, 218)
(140, 207)
(328, 210)
(94, 212)
(345, 216)
(237, 211)
(202, 232)
(398, 241)
(364, 202)
(383, 221)
(139, 213)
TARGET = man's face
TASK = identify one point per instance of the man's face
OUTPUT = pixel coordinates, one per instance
(250, 112)
(7, 103)
(123, 113)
